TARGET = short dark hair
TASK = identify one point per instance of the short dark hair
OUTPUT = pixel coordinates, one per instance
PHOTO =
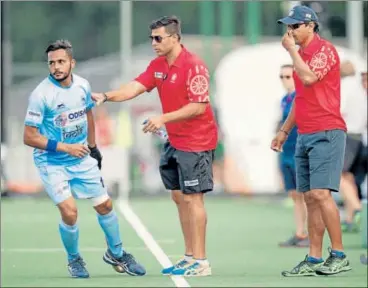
(171, 23)
(287, 66)
(61, 44)
(316, 27)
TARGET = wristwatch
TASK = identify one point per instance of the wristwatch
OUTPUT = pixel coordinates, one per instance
(287, 133)
(105, 97)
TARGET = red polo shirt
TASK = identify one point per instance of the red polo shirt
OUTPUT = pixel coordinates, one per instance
(317, 107)
(185, 81)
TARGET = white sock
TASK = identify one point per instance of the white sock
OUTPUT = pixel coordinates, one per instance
(188, 258)
(202, 261)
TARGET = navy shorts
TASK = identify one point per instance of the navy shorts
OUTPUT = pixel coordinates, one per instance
(190, 172)
(319, 159)
(287, 167)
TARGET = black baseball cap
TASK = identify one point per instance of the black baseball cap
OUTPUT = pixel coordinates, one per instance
(299, 14)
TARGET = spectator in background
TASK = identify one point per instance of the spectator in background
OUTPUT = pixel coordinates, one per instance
(9, 186)
(287, 164)
(363, 167)
(354, 112)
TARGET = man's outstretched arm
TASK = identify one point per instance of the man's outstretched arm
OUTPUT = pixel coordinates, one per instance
(125, 92)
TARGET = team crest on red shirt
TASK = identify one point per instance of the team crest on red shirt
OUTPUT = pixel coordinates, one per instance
(173, 78)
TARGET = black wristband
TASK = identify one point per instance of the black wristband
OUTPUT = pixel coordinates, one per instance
(92, 148)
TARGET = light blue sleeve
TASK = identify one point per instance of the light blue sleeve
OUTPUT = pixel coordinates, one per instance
(89, 102)
(35, 111)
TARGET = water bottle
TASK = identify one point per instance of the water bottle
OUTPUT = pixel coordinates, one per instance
(160, 132)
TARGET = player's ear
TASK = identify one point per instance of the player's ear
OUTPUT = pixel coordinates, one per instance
(176, 36)
(73, 63)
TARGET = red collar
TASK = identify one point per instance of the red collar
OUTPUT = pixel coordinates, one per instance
(179, 61)
(312, 46)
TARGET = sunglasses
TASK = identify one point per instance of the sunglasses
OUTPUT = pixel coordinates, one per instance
(158, 39)
(297, 25)
(285, 76)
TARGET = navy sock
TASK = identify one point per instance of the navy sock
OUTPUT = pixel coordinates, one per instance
(314, 260)
(339, 254)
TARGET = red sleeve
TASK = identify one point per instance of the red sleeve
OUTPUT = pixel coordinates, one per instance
(324, 61)
(198, 80)
(147, 78)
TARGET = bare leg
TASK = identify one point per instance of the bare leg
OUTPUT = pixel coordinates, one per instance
(316, 226)
(349, 192)
(183, 211)
(300, 213)
(198, 222)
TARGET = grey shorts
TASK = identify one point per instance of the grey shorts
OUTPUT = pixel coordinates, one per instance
(319, 159)
(190, 172)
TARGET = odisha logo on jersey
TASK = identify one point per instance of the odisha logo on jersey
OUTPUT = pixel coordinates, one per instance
(77, 114)
(66, 118)
(73, 133)
(61, 120)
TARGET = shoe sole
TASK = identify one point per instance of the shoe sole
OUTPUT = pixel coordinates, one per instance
(287, 274)
(205, 273)
(344, 269)
(120, 268)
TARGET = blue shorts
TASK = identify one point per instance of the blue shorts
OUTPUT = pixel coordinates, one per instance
(287, 167)
(82, 181)
(319, 159)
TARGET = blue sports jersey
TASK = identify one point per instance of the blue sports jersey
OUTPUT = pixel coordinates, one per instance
(59, 113)
(290, 144)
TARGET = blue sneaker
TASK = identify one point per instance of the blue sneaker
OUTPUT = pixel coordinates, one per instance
(194, 270)
(125, 263)
(180, 264)
(76, 268)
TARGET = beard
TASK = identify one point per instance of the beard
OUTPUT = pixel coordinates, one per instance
(65, 76)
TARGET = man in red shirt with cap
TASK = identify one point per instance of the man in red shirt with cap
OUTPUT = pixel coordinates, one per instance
(182, 81)
(320, 148)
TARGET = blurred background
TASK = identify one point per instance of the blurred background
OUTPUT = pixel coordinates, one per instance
(241, 43)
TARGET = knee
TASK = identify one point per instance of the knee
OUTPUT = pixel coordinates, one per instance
(177, 196)
(316, 196)
(195, 200)
(69, 214)
(188, 199)
(104, 208)
(294, 195)
(298, 196)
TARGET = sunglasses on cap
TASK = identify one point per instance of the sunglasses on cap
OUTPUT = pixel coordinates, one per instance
(158, 39)
(285, 76)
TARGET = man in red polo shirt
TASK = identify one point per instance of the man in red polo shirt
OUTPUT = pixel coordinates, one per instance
(182, 81)
(319, 154)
